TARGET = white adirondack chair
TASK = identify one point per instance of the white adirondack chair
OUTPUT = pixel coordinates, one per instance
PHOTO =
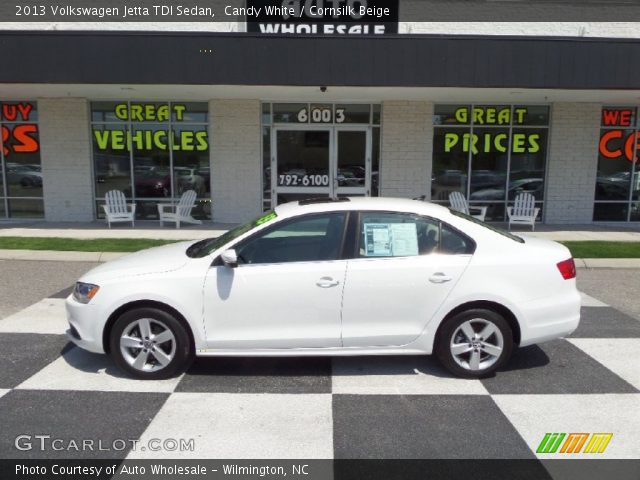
(181, 212)
(116, 208)
(458, 202)
(524, 211)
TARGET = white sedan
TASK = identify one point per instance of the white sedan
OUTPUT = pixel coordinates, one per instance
(358, 276)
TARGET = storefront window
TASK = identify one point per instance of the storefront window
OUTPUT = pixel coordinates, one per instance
(21, 176)
(489, 153)
(153, 152)
(618, 178)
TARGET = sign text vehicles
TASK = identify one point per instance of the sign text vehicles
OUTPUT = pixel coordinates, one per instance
(322, 17)
(158, 136)
(22, 136)
(142, 139)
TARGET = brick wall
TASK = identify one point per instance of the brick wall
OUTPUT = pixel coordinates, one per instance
(66, 159)
(407, 144)
(236, 167)
(572, 162)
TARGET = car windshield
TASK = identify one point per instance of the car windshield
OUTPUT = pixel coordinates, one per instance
(205, 247)
(500, 231)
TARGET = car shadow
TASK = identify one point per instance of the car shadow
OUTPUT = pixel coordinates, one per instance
(318, 366)
(526, 358)
(88, 362)
(522, 359)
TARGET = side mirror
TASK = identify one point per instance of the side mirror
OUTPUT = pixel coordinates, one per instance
(229, 258)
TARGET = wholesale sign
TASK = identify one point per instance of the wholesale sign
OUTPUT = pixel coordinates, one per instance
(322, 17)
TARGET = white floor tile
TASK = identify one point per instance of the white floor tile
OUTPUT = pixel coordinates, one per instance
(45, 316)
(535, 415)
(617, 354)
(238, 426)
(588, 301)
(81, 370)
(411, 375)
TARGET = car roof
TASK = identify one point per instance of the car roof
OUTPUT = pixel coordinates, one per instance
(361, 203)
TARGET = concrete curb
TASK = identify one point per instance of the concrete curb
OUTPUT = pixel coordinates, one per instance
(59, 256)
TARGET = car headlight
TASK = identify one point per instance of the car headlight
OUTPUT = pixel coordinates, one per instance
(84, 292)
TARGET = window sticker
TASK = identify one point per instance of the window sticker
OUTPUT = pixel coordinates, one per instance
(390, 239)
(268, 217)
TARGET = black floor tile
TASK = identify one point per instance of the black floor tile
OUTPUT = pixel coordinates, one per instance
(24, 354)
(556, 367)
(423, 427)
(258, 375)
(74, 416)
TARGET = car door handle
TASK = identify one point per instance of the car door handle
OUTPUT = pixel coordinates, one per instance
(327, 282)
(439, 277)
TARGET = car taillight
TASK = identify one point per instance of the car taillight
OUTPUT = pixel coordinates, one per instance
(567, 269)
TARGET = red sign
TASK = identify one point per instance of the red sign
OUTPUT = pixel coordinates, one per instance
(19, 137)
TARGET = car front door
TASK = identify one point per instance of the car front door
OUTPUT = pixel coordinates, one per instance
(286, 291)
(404, 268)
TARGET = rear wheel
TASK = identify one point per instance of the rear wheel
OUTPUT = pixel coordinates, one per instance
(149, 343)
(474, 343)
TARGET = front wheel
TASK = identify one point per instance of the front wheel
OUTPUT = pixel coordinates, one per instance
(474, 343)
(150, 344)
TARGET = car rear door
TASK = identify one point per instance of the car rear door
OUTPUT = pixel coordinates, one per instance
(404, 267)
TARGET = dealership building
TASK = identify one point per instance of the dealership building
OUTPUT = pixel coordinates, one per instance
(250, 119)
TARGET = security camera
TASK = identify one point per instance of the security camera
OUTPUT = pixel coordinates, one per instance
(323, 89)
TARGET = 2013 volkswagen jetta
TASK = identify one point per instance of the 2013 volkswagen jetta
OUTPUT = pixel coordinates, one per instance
(358, 276)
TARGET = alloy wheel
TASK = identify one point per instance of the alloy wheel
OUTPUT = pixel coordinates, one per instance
(476, 344)
(147, 345)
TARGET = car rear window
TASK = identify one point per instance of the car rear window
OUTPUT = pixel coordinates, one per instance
(497, 230)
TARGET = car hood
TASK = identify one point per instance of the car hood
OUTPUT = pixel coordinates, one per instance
(152, 260)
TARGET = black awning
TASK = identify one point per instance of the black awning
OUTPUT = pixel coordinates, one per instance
(244, 59)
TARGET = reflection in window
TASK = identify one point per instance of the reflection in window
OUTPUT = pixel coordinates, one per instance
(489, 153)
(21, 184)
(153, 152)
(308, 239)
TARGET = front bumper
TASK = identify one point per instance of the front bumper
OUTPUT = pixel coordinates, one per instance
(85, 325)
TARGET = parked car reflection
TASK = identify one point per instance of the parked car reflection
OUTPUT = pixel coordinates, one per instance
(25, 175)
(534, 186)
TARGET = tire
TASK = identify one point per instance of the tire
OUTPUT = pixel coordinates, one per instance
(140, 327)
(476, 358)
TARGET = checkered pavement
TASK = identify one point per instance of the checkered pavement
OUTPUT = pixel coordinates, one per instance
(356, 408)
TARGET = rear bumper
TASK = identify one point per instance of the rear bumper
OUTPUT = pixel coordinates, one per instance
(550, 318)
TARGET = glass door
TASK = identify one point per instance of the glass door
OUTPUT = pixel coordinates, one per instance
(351, 161)
(316, 162)
(302, 162)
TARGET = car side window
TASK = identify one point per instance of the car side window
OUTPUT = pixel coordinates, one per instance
(453, 242)
(397, 235)
(306, 239)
